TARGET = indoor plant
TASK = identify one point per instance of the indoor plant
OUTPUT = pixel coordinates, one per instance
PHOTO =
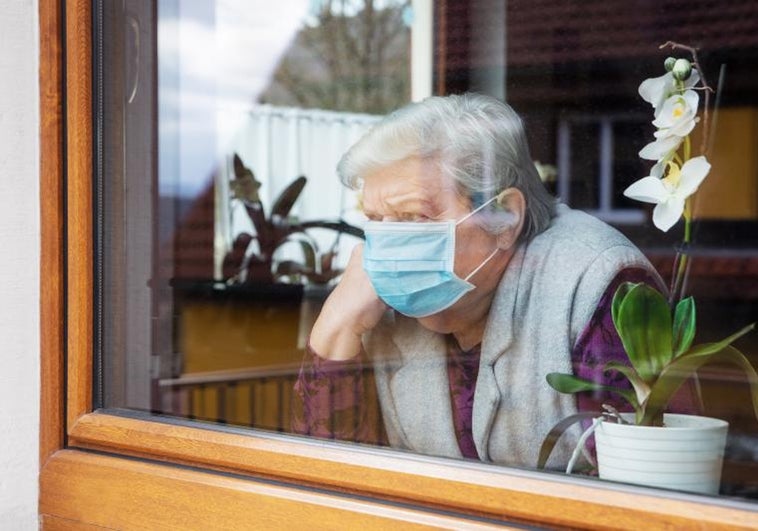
(649, 446)
(275, 278)
(252, 257)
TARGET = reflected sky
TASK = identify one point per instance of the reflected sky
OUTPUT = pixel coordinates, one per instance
(215, 58)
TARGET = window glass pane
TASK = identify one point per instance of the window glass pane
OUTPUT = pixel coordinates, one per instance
(629, 134)
(584, 170)
(224, 223)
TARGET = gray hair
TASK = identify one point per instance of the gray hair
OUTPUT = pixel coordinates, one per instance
(477, 140)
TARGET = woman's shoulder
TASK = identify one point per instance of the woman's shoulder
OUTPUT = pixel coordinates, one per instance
(576, 241)
(581, 232)
(578, 256)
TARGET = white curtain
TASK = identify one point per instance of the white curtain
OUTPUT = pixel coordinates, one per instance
(279, 144)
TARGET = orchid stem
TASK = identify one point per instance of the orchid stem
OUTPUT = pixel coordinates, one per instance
(677, 290)
(681, 260)
(687, 148)
(696, 62)
(687, 221)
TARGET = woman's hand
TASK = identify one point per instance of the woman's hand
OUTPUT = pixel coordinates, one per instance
(351, 310)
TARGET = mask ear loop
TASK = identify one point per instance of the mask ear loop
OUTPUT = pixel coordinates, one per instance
(475, 271)
(477, 209)
(493, 253)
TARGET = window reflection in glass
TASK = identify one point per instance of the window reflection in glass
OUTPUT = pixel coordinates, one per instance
(216, 258)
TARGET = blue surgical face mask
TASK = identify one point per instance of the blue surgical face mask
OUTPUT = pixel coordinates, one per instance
(411, 265)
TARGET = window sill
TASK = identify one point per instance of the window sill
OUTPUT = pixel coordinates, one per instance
(145, 495)
(468, 488)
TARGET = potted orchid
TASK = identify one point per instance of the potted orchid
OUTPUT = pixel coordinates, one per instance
(649, 446)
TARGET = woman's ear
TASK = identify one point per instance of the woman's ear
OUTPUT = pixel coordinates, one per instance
(512, 201)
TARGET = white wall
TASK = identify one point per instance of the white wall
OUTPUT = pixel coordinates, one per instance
(19, 264)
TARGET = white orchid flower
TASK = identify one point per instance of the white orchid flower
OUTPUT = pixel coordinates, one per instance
(670, 193)
(678, 115)
(657, 170)
(656, 90)
(661, 148)
(676, 119)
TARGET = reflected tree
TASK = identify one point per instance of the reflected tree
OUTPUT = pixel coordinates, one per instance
(351, 55)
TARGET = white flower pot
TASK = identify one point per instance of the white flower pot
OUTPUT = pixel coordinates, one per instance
(685, 454)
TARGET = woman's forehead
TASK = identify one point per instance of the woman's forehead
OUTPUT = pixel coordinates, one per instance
(410, 185)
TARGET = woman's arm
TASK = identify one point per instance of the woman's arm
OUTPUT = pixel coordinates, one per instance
(337, 400)
(351, 310)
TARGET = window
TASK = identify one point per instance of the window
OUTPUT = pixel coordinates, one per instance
(615, 141)
(138, 339)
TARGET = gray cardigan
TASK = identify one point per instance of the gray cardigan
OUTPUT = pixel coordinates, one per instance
(544, 300)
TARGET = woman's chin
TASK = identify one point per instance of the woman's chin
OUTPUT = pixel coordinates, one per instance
(442, 322)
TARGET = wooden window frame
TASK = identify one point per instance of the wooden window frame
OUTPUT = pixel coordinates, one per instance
(104, 469)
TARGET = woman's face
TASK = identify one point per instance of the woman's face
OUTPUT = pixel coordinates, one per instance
(416, 190)
(412, 189)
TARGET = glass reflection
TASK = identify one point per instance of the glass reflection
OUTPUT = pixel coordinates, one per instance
(216, 258)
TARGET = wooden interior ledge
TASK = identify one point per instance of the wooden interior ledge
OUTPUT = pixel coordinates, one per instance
(143, 495)
(426, 483)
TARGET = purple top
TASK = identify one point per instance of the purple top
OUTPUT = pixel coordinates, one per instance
(462, 370)
(333, 399)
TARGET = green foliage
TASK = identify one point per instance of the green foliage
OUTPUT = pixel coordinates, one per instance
(684, 325)
(568, 383)
(643, 322)
(661, 355)
(658, 346)
(641, 388)
(676, 373)
(660, 352)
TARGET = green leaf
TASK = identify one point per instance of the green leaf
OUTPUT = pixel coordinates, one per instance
(641, 389)
(679, 370)
(618, 298)
(570, 384)
(709, 348)
(559, 429)
(684, 326)
(643, 322)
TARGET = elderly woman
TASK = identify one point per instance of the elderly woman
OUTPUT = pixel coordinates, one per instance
(472, 285)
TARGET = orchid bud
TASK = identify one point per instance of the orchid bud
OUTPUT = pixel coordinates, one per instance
(682, 69)
(668, 64)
